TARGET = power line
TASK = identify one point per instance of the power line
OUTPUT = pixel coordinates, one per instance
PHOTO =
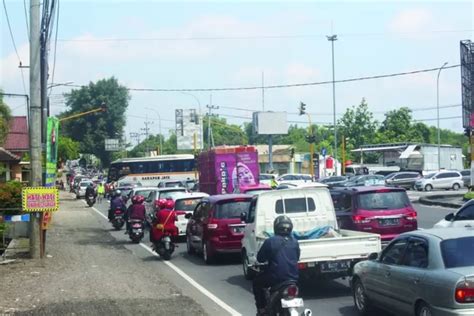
(55, 46)
(26, 20)
(14, 45)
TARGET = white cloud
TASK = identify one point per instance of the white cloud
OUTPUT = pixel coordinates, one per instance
(411, 20)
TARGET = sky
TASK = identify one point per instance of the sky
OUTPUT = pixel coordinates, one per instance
(229, 44)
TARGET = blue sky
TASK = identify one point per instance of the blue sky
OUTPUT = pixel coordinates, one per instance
(374, 37)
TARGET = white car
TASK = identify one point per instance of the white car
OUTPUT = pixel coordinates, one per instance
(295, 178)
(81, 188)
(185, 203)
(440, 180)
(143, 191)
(464, 217)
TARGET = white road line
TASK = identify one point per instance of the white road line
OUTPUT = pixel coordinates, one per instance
(198, 286)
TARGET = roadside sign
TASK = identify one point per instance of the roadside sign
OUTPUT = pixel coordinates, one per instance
(40, 199)
(323, 151)
(112, 144)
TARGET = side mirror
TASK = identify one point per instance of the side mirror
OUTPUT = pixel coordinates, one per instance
(188, 215)
(449, 217)
(243, 217)
(373, 256)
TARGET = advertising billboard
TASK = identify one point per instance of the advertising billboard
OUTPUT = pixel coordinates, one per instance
(236, 170)
(270, 123)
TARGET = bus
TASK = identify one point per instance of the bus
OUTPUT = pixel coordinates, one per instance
(149, 171)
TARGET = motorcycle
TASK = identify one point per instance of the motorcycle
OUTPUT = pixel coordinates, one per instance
(165, 246)
(90, 200)
(136, 230)
(282, 299)
(117, 219)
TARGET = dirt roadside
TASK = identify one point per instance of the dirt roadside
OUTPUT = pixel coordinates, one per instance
(88, 272)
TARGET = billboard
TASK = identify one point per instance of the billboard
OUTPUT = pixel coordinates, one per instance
(236, 170)
(52, 133)
(270, 123)
(467, 83)
(112, 144)
(188, 130)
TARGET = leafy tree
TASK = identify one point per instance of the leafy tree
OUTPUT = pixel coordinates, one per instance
(224, 133)
(67, 149)
(396, 126)
(91, 130)
(5, 116)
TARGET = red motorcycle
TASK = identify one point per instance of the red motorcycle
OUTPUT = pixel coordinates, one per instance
(163, 230)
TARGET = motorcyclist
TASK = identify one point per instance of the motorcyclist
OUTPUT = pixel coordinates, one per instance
(136, 210)
(116, 203)
(282, 253)
(90, 191)
(164, 221)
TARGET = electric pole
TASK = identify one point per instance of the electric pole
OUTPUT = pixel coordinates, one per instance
(35, 126)
(146, 130)
(210, 137)
(333, 38)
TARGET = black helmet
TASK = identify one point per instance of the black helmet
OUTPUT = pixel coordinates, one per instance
(282, 225)
(117, 193)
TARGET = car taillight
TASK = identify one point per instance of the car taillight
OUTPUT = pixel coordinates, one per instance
(465, 292)
(301, 265)
(291, 291)
(359, 219)
(411, 216)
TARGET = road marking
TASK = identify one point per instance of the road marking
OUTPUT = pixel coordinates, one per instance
(198, 286)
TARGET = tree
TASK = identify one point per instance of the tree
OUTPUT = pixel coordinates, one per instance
(67, 149)
(5, 116)
(358, 125)
(397, 126)
(92, 130)
(224, 133)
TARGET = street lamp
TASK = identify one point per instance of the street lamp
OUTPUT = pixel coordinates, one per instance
(159, 127)
(437, 109)
(333, 38)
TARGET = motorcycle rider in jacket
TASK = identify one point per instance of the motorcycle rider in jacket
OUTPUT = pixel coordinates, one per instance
(164, 221)
(116, 203)
(282, 253)
(135, 211)
(90, 191)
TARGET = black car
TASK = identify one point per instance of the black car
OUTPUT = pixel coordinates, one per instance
(403, 179)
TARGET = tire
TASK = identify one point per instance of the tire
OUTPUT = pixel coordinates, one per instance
(361, 301)
(456, 186)
(423, 309)
(249, 274)
(206, 253)
(189, 248)
(428, 187)
(166, 255)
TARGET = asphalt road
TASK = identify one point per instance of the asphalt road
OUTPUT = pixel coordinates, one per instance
(225, 279)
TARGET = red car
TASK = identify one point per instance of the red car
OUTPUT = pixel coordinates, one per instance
(382, 210)
(215, 226)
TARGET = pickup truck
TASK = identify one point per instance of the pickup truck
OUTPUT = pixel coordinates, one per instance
(332, 255)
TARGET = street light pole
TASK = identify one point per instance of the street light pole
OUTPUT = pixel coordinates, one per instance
(333, 38)
(437, 110)
(201, 138)
(159, 127)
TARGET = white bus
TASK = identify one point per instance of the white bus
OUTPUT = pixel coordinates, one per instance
(149, 171)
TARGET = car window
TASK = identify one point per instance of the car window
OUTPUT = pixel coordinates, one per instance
(198, 212)
(342, 202)
(465, 214)
(295, 205)
(231, 208)
(466, 172)
(416, 254)
(205, 210)
(394, 252)
(383, 200)
(251, 216)
(186, 205)
(143, 192)
(458, 252)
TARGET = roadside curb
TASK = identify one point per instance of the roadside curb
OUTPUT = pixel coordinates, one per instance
(443, 200)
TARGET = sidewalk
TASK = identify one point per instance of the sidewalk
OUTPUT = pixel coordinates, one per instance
(444, 200)
(88, 272)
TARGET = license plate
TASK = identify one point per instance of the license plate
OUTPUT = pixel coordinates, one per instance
(389, 222)
(296, 302)
(138, 231)
(118, 217)
(335, 266)
(137, 226)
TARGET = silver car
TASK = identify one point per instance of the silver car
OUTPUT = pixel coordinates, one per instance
(440, 180)
(428, 272)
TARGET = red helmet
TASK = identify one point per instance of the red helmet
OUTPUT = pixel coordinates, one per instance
(170, 204)
(162, 203)
(138, 199)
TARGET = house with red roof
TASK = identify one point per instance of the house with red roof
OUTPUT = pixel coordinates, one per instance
(16, 145)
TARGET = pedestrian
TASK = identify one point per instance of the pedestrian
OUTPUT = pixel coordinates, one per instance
(100, 192)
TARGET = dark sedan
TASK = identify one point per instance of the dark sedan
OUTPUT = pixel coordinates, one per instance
(402, 179)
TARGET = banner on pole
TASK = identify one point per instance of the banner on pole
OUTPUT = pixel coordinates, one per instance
(40, 199)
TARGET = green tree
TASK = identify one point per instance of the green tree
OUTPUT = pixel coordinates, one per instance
(5, 116)
(67, 149)
(91, 130)
(397, 126)
(224, 133)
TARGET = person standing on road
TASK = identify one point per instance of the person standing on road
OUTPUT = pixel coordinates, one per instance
(100, 192)
(282, 253)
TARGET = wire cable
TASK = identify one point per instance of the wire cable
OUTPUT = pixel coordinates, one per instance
(26, 19)
(55, 48)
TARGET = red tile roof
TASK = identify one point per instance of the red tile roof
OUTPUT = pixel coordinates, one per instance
(17, 138)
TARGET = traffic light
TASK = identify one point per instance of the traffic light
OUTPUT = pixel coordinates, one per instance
(302, 108)
(310, 139)
(467, 132)
(292, 152)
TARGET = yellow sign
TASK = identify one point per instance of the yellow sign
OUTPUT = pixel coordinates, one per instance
(40, 199)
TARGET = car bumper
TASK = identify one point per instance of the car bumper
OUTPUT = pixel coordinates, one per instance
(440, 311)
(227, 246)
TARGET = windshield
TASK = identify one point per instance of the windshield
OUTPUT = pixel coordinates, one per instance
(187, 205)
(232, 208)
(390, 200)
(143, 192)
(430, 175)
(458, 252)
(256, 191)
(169, 194)
(174, 184)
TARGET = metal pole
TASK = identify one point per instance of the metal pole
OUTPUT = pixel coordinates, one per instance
(333, 38)
(270, 152)
(159, 128)
(35, 121)
(437, 110)
(263, 91)
(311, 147)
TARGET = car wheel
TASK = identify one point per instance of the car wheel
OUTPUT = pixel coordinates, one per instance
(249, 273)
(428, 187)
(206, 253)
(361, 301)
(456, 186)
(423, 310)
(189, 247)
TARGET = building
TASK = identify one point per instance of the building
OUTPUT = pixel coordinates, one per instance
(16, 145)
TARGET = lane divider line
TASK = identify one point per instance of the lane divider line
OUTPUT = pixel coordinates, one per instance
(185, 276)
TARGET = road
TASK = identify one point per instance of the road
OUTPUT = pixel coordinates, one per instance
(225, 280)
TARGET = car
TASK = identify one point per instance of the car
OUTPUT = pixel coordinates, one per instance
(81, 188)
(185, 203)
(266, 178)
(151, 201)
(334, 180)
(172, 184)
(464, 217)
(440, 180)
(403, 179)
(363, 180)
(215, 226)
(424, 272)
(382, 210)
(295, 178)
(466, 177)
(144, 191)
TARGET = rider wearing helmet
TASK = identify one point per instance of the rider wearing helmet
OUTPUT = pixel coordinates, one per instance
(282, 253)
(136, 210)
(116, 203)
(164, 220)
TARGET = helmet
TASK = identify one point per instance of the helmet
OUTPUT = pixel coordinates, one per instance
(169, 204)
(117, 193)
(282, 225)
(138, 199)
(162, 204)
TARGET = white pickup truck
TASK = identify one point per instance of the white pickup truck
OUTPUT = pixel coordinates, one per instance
(329, 256)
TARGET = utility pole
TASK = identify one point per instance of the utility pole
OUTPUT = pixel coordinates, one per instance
(146, 130)
(333, 38)
(35, 125)
(210, 137)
